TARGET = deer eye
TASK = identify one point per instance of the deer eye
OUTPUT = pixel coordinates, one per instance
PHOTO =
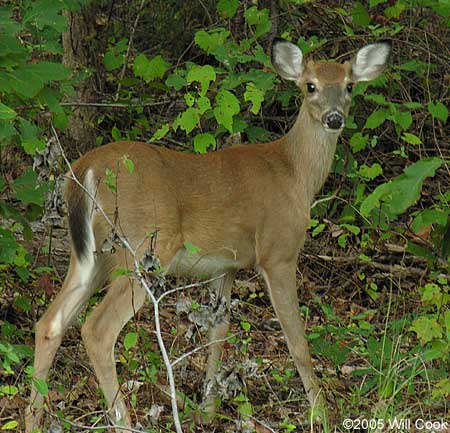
(310, 87)
(349, 87)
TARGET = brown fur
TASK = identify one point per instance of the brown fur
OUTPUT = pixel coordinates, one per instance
(330, 72)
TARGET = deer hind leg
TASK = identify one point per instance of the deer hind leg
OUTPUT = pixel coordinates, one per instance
(77, 288)
(218, 331)
(281, 284)
(100, 334)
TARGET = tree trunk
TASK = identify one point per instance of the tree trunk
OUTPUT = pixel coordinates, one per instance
(80, 55)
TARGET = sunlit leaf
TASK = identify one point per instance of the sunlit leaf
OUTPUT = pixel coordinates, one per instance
(227, 105)
(203, 141)
(130, 340)
(403, 191)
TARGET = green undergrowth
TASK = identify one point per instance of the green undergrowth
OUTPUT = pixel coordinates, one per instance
(385, 209)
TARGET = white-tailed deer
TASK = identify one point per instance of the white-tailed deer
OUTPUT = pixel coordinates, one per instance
(244, 207)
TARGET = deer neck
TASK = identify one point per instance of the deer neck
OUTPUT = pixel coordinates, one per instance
(310, 150)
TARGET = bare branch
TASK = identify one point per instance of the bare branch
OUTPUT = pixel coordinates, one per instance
(140, 277)
(197, 349)
(99, 427)
(113, 105)
(189, 286)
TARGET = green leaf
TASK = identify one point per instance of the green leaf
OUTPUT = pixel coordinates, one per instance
(426, 329)
(129, 164)
(419, 250)
(191, 248)
(60, 120)
(439, 350)
(203, 74)
(121, 272)
(116, 134)
(263, 80)
(212, 41)
(203, 141)
(377, 98)
(227, 7)
(342, 240)
(258, 18)
(112, 61)
(28, 190)
(398, 194)
(245, 409)
(317, 230)
(417, 66)
(160, 133)
(29, 137)
(438, 110)
(447, 320)
(10, 45)
(8, 246)
(432, 294)
(396, 10)
(41, 386)
(49, 71)
(255, 95)
(130, 340)
(188, 120)
(358, 142)
(189, 99)
(412, 105)
(10, 425)
(442, 8)
(370, 172)
(7, 131)
(110, 180)
(150, 70)
(376, 119)
(50, 98)
(411, 139)
(175, 81)
(9, 389)
(442, 388)
(6, 113)
(352, 229)
(360, 15)
(46, 13)
(256, 134)
(428, 217)
(204, 104)
(310, 44)
(246, 326)
(25, 81)
(227, 105)
(402, 119)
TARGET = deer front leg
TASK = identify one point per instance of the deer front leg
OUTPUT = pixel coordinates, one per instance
(281, 284)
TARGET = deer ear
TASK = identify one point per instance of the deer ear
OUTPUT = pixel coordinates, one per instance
(287, 59)
(370, 61)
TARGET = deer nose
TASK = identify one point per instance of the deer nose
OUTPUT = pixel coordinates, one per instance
(333, 120)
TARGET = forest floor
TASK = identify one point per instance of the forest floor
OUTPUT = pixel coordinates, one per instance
(351, 328)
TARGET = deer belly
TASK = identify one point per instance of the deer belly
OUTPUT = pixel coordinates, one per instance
(196, 264)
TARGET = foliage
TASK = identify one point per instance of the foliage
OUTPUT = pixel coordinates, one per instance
(32, 81)
(390, 174)
(29, 82)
